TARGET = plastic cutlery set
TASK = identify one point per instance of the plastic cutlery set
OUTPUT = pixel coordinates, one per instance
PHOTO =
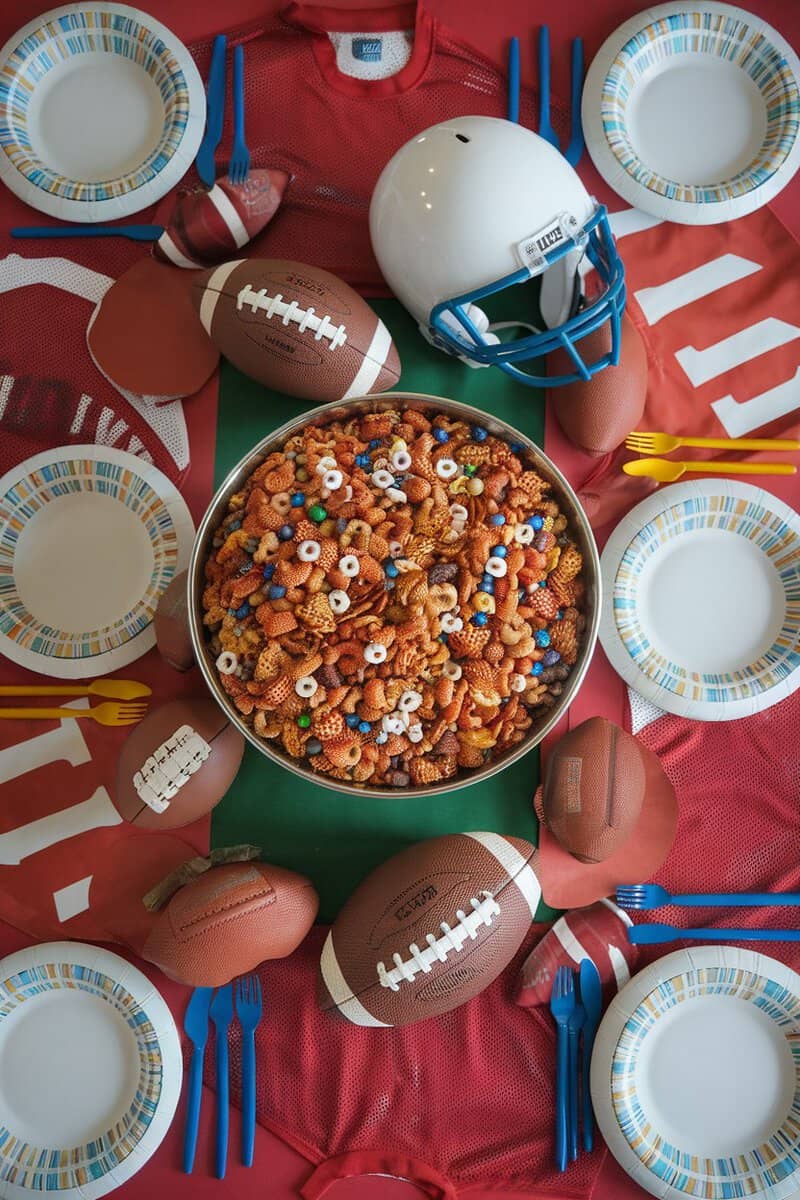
(664, 471)
(576, 1006)
(206, 1005)
(644, 896)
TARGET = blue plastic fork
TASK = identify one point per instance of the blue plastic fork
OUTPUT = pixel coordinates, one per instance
(248, 1010)
(652, 895)
(239, 166)
(195, 1023)
(562, 1004)
(222, 1015)
(575, 148)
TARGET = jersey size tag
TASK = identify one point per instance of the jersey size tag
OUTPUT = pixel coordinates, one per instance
(532, 251)
(367, 49)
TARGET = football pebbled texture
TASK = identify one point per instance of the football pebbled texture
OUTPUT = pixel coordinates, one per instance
(429, 929)
(593, 789)
(176, 764)
(296, 328)
(598, 414)
(171, 623)
(229, 920)
(208, 226)
(599, 932)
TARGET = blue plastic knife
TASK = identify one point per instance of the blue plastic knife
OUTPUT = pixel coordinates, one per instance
(592, 1000)
(196, 1026)
(215, 112)
(136, 233)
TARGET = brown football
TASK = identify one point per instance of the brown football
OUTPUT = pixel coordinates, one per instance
(429, 929)
(598, 414)
(296, 328)
(228, 921)
(177, 764)
(593, 789)
(171, 623)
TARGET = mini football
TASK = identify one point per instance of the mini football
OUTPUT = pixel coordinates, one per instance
(429, 929)
(207, 227)
(296, 329)
(228, 921)
(598, 414)
(171, 624)
(593, 789)
(599, 932)
(177, 764)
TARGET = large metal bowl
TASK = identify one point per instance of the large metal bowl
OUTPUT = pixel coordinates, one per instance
(567, 500)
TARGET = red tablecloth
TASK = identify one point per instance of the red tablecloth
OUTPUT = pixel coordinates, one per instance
(279, 1172)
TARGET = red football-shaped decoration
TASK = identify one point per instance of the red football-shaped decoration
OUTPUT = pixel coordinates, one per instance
(429, 929)
(297, 329)
(593, 789)
(599, 932)
(598, 414)
(207, 227)
(177, 764)
(229, 920)
(171, 623)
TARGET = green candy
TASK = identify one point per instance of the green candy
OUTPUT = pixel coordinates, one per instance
(317, 513)
(470, 469)
(304, 720)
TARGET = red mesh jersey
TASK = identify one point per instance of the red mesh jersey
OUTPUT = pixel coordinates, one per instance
(51, 393)
(334, 133)
(458, 1101)
(737, 784)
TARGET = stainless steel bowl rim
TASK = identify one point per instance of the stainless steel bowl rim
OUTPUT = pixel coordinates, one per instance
(382, 402)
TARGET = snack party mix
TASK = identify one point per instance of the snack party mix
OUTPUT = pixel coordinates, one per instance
(394, 597)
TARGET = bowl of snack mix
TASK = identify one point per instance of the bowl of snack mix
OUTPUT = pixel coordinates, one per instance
(398, 593)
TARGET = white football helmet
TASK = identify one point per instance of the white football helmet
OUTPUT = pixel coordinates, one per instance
(476, 205)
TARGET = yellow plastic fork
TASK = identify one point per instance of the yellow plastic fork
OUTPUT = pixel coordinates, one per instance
(666, 471)
(104, 714)
(665, 443)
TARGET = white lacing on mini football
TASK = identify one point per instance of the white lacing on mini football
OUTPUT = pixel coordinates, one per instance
(170, 767)
(452, 940)
(305, 318)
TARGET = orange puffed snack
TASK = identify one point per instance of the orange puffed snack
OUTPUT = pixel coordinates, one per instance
(395, 598)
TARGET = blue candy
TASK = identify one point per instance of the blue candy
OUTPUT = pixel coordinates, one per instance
(479, 619)
(351, 721)
(285, 533)
(542, 638)
(551, 657)
(243, 612)
(516, 447)
(441, 435)
(363, 727)
(499, 551)
(373, 445)
(537, 522)
(479, 434)
(537, 668)
(269, 571)
(390, 569)
(276, 591)
(298, 499)
(497, 519)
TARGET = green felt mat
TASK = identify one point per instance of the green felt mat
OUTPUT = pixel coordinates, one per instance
(337, 839)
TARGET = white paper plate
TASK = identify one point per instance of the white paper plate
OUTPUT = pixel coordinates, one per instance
(695, 1076)
(90, 1071)
(90, 537)
(691, 112)
(701, 599)
(102, 111)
